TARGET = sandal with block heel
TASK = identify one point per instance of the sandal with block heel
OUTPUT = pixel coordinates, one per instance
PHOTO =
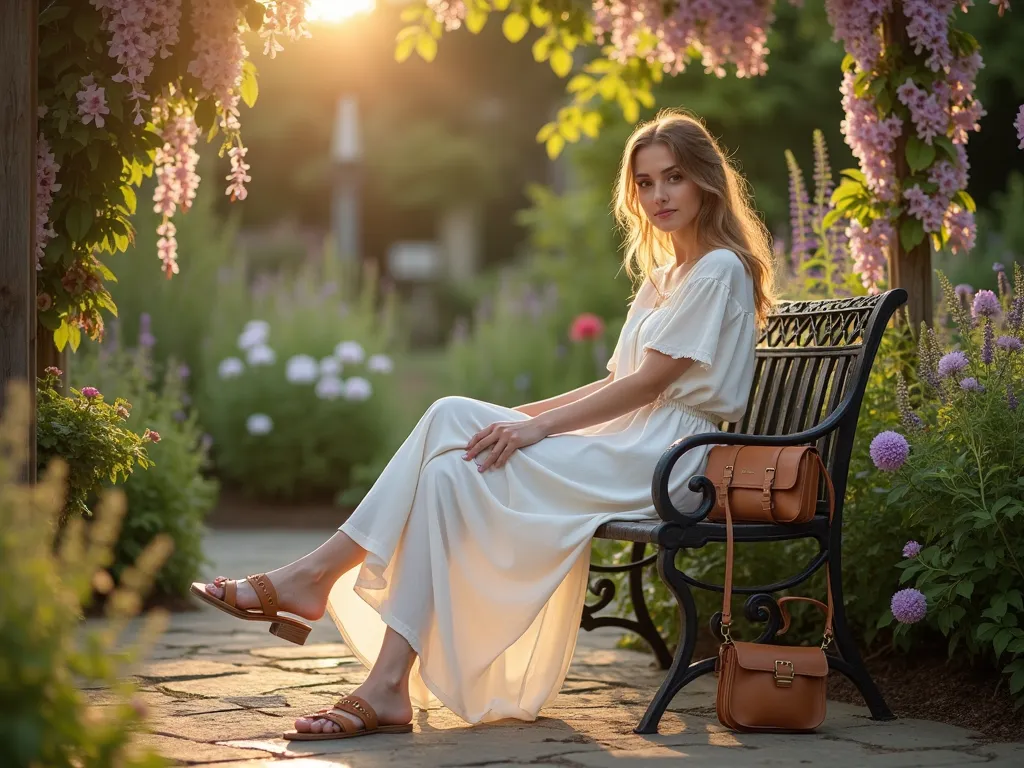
(354, 706)
(286, 628)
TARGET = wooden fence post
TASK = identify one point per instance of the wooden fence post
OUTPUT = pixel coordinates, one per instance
(18, 57)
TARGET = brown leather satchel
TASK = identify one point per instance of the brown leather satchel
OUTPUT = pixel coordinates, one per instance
(765, 484)
(773, 688)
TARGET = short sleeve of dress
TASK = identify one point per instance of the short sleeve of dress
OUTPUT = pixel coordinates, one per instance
(691, 325)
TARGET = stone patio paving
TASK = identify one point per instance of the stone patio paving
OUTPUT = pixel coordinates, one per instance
(220, 692)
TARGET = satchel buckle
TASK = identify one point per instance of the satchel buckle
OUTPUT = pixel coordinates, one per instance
(766, 490)
(783, 673)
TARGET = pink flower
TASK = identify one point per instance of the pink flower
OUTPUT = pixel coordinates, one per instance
(90, 392)
(288, 18)
(53, 370)
(238, 176)
(586, 326)
(151, 436)
(1019, 125)
(46, 185)
(92, 105)
(43, 302)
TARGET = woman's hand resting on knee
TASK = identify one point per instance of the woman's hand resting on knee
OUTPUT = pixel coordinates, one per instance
(504, 438)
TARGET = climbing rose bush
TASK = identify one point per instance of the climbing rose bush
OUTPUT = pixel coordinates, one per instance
(956, 459)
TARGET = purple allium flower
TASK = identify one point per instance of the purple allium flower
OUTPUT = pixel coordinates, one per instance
(909, 606)
(911, 549)
(986, 304)
(889, 450)
(988, 348)
(964, 291)
(90, 392)
(997, 266)
(952, 363)
(970, 384)
(1010, 343)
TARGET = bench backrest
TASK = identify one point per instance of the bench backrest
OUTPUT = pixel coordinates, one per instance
(812, 358)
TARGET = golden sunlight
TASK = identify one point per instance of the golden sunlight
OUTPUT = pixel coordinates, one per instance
(334, 11)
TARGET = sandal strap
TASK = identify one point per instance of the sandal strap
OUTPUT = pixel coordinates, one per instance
(361, 709)
(347, 726)
(265, 592)
(230, 593)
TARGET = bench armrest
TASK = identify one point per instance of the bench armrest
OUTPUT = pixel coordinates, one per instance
(700, 484)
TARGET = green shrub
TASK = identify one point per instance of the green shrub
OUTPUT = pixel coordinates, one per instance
(284, 423)
(173, 497)
(89, 434)
(958, 483)
(45, 718)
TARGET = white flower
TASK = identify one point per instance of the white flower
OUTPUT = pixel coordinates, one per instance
(230, 367)
(330, 387)
(255, 333)
(301, 369)
(350, 352)
(261, 355)
(330, 366)
(380, 364)
(259, 424)
(357, 388)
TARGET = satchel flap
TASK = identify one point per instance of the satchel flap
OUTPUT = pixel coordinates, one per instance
(795, 660)
(750, 464)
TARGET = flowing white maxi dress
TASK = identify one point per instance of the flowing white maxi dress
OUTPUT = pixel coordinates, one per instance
(484, 573)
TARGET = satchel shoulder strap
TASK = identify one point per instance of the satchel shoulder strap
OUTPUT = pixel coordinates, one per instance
(727, 587)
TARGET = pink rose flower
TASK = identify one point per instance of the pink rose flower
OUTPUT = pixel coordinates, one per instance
(585, 327)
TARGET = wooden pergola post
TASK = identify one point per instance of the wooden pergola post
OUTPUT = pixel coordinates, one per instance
(18, 56)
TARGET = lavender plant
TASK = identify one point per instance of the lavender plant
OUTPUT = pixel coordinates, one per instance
(819, 254)
(958, 479)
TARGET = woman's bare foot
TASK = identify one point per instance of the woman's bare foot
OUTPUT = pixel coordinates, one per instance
(301, 590)
(390, 702)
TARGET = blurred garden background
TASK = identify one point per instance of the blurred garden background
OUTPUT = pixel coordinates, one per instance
(405, 234)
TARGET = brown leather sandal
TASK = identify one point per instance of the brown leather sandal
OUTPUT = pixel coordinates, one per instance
(286, 628)
(354, 706)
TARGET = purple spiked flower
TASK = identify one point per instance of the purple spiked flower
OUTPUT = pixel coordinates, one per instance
(952, 363)
(911, 549)
(909, 606)
(889, 450)
(1011, 399)
(988, 348)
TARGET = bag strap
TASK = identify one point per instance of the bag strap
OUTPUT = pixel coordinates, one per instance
(729, 545)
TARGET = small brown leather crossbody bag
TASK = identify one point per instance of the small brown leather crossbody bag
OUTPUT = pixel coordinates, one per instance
(773, 688)
(765, 484)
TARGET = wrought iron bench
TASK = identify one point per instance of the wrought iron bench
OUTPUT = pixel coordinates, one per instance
(813, 363)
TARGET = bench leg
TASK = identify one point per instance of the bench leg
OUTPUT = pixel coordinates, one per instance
(642, 624)
(681, 672)
(851, 663)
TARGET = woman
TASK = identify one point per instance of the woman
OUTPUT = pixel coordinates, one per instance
(462, 573)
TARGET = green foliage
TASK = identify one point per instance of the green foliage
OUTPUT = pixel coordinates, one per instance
(101, 165)
(961, 492)
(315, 441)
(45, 656)
(173, 497)
(90, 435)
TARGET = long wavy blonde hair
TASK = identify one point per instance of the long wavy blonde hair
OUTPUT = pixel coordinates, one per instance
(726, 218)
